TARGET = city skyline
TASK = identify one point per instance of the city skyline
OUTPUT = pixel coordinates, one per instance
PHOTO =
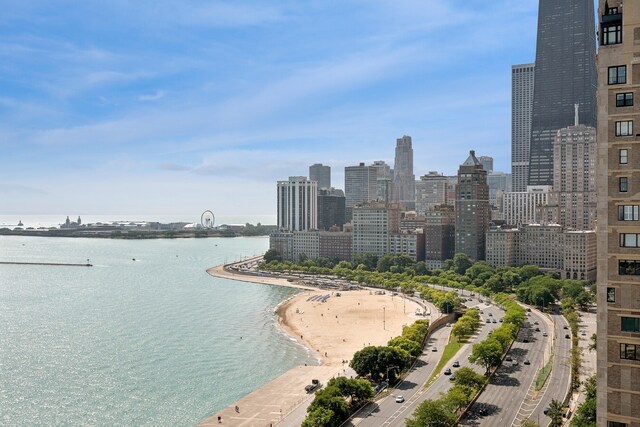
(194, 105)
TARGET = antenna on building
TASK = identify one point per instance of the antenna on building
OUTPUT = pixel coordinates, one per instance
(576, 106)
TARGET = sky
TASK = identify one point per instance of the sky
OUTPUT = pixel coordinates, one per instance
(177, 106)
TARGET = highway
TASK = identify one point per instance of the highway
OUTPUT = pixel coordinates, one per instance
(511, 397)
(388, 412)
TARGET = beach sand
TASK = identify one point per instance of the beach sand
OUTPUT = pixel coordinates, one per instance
(335, 329)
(338, 327)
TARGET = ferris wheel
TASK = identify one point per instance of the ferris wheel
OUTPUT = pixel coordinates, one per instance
(208, 219)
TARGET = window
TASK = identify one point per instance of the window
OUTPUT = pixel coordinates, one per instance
(630, 351)
(628, 213)
(611, 294)
(624, 128)
(629, 268)
(611, 34)
(629, 240)
(630, 324)
(616, 424)
(618, 75)
(624, 156)
(624, 99)
(612, 11)
(623, 184)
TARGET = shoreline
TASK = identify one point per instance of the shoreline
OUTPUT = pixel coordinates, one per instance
(330, 324)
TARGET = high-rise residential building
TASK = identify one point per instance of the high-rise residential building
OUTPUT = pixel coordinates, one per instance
(565, 75)
(360, 186)
(574, 177)
(498, 182)
(373, 223)
(487, 163)
(440, 237)
(523, 207)
(431, 190)
(321, 174)
(403, 178)
(297, 204)
(331, 208)
(407, 243)
(522, 81)
(618, 206)
(472, 208)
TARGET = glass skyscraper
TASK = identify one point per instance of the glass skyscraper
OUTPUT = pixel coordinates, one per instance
(565, 75)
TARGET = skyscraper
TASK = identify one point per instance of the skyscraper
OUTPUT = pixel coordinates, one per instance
(618, 193)
(565, 75)
(472, 208)
(487, 163)
(403, 178)
(331, 208)
(297, 204)
(321, 174)
(522, 80)
(360, 186)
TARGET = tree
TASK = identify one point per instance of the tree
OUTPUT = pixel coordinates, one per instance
(421, 268)
(462, 329)
(433, 413)
(468, 377)
(412, 347)
(374, 361)
(556, 412)
(358, 390)
(461, 262)
(487, 353)
(584, 300)
(457, 397)
(330, 398)
(365, 361)
(477, 269)
(272, 255)
(504, 335)
(527, 422)
(593, 345)
(319, 417)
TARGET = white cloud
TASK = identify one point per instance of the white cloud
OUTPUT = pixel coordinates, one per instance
(152, 97)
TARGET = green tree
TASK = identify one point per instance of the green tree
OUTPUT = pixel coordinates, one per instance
(461, 262)
(468, 377)
(330, 398)
(584, 300)
(556, 412)
(421, 268)
(457, 397)
(412, 347)
(356, 389)
(477, 269)
(487, 353)
(433, 413)
(527, 422)
(272, 255)
(365, 361)
(319, 417)
(593, 345)
(504, 335)
(462, 329)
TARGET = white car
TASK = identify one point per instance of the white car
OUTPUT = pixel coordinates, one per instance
(399, 399)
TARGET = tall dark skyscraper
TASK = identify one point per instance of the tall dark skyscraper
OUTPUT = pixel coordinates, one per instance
(565, 75)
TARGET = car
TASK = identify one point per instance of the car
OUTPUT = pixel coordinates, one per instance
(565, 327)
(525, 339)
(508, 359)
(456, 364)
(434, 349)
(567, 336)
(493, 321)
(488, 320)
(583, 333)
(546, 411)
(399, 399)
(452, 377)
(536, 323)
(490, 314)
(448, 325)
(481, 312)
(447, 371)
(514, 362)
(544, 334)
(526, 362)
(528, 309)
(537, 329)
(500, 320)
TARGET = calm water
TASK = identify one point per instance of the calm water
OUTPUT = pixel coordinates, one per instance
(154, 341)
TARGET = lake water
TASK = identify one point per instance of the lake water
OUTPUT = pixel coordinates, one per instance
(155, 341)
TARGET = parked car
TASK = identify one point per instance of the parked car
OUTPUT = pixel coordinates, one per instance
(514, 362)
(490, 314)
(493, 321)
(525, 339)
(452, 377)
(536, 323)
(544, 334)
(456, 364)
(526, 362)
(501, 320)
(434, 349)
(537, 329)
(508, 358)
(567, 336)
(447, 371)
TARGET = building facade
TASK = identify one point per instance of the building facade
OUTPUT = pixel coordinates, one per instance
(407, 243)
(487, 163)
(522, 80)
(520, 208)
(472, 208)
(498, 182)
(297, 204)
(574, 176)
(360, 186)
(403, 178)
(372, 225)
(321, 174)
(440, 235)
(331, 208)
(431, 190)
(565, 75)
(618, 189)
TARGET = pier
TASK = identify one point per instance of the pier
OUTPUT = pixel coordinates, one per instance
(62, 264)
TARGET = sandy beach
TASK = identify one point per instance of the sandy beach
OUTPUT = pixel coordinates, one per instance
(333, 328)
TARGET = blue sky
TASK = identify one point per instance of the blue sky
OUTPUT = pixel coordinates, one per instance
(176, 106)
